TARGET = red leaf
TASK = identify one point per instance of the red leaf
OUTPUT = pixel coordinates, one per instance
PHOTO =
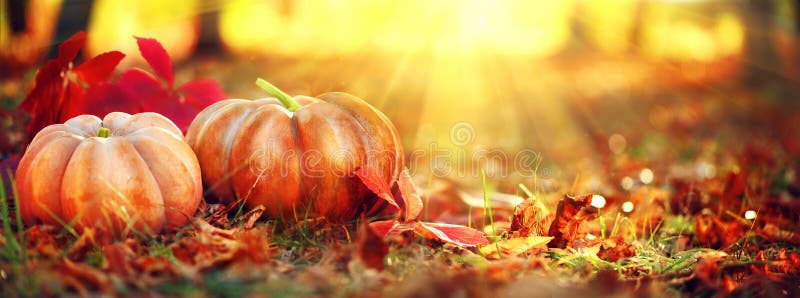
(71, 96)
(383, 227)
(169, 105)
(377, 185)
(103, 98)
(98, 68)
(49, 97)
(371, 248)
(201, 93)
(157, 57)
(453, 234)
(412, 203)
(69, 49)
(140, 84)
(44, 100)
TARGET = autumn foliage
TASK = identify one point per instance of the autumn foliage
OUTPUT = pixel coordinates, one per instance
(64, 89)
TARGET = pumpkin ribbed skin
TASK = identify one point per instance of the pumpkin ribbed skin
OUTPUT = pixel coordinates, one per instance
(142, 178)
(296, 162)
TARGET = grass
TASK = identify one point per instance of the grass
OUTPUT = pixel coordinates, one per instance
(487, 212)
(12, 251)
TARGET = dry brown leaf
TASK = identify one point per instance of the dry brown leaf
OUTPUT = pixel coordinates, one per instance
(713, 232)
(530, 218)
(615, 248)
(252, 216)
(212, 246)
(774, 233)
(570, 213)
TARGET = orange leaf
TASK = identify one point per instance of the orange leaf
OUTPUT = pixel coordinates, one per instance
(571, 212)
(377, 185)
(411, 200)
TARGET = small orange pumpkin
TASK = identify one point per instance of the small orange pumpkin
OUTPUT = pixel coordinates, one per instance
(127, 173)
(296, 156)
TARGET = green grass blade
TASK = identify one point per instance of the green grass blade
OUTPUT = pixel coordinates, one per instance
(487, 211)
(13, 248)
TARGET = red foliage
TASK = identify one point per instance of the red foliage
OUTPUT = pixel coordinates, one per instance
(410, 204)
(59, 87)
(454, 234)
(411, 201)
(377, 185)
(62, 91)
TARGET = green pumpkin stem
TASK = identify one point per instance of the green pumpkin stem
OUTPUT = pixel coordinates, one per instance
(103, 132)
(284, 98)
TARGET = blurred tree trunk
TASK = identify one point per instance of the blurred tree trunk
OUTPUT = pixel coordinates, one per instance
(74, 17)
(209, 39)
(760, 59)
(17, 14)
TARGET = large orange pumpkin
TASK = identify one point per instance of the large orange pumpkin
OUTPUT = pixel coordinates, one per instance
(126, 173)
(296, 156)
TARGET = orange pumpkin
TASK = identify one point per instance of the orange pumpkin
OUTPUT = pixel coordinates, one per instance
(296, 156)
(126, 173)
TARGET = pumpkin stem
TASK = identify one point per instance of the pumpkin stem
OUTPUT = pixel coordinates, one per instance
(103, 132)
(284, 98)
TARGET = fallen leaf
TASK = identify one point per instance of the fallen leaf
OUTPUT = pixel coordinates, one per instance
(216, 214)
(570, 213)
(252, 216)
(735, 185)
(774, 233)
(713, 232)
(370, 247)
(376, 184)
(530, 218)
(515, 246)
(453, 234)
(212, 247)
(708, 268)
(383, 227)
(615, 248)
(411, 201)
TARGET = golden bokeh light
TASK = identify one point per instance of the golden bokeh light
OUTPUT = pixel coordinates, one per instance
(113, 24)
(348, 27)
